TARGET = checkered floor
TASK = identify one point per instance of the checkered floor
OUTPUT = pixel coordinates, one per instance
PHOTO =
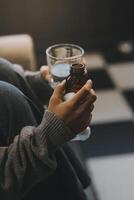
(112, 139)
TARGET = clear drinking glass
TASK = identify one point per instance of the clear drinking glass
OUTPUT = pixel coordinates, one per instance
(59, 59)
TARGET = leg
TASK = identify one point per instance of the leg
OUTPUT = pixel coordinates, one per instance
(15, 112)
(9, 75)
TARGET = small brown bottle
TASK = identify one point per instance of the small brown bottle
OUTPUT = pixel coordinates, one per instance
(74, 82)
(77, 78)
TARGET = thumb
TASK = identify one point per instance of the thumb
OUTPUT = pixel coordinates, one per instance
(58, 92)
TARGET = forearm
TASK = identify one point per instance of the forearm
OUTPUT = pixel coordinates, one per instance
(31, 156)
(39, 85)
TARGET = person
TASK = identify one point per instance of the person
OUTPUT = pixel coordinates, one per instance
(35, 162)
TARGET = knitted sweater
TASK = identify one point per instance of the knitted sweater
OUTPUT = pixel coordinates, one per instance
(30, 158)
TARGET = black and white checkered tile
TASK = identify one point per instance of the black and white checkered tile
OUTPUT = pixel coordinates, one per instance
(109, 152)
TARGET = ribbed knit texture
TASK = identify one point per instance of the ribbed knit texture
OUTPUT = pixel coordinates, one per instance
(31, 158)
(55, 133)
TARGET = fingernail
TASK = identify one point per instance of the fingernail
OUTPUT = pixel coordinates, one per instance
(89, 81)
(63, 82)
(92, 91)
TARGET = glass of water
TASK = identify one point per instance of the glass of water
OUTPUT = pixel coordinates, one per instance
(59, 59)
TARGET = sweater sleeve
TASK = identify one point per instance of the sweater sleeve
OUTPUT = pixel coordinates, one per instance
(39, 85)
(30, 158)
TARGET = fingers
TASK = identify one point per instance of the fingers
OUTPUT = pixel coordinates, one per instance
(88, 120)
(45, 72)
(58, 92)
(87, 107)
(91, 107)
(57, 96)
(85, 122)
(91, 98)
(83, 92)
(45, 69)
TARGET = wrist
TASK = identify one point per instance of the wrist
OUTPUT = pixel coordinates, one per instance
(54, 131)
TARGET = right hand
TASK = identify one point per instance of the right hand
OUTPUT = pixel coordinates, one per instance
(75, 112)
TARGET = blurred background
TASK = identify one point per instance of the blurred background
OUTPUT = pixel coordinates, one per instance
(92, 24)
(105, 29)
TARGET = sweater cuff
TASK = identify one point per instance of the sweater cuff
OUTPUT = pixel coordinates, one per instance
(54, 131)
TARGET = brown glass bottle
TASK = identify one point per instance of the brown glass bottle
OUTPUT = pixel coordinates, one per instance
(74, 82)
(77, 78)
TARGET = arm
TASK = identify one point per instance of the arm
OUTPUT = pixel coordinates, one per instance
(30, 158)
(40, 84)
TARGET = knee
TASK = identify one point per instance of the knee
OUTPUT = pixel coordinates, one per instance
(10, 98)
(5, 64)
(14, 106)
(15, 112)
(7, 72)
(9, 93)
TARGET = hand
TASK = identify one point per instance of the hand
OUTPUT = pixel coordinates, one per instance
(75, 112)
(45, 73)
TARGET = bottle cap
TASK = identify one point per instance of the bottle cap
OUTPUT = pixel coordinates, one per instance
(77, 68)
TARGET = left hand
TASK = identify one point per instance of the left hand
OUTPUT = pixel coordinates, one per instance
(45, 73)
